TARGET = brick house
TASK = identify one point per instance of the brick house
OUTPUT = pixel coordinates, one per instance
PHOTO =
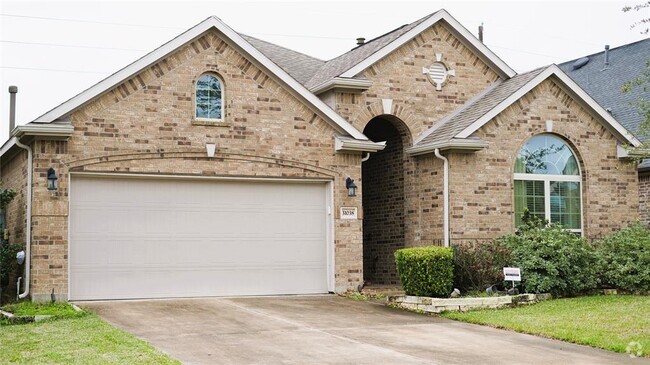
(220, 164)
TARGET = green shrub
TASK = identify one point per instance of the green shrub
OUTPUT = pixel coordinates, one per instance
(8, 263)
(552, 259)
(479, 265)
(426, 271)
(625, 259)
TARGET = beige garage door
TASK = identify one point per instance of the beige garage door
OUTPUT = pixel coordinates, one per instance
(156, 238)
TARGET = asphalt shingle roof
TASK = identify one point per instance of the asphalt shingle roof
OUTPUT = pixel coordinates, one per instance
(337, 66)
(474, 110)
(299, 65)
(604, 83)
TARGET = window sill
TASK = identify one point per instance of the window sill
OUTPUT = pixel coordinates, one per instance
(210, 122)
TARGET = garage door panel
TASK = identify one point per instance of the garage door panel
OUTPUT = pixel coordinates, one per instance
(147, 239)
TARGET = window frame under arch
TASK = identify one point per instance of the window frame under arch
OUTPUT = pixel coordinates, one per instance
(548, 180)
(221, 99)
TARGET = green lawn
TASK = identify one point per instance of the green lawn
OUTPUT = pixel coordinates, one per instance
(608, 322)
(74, 338)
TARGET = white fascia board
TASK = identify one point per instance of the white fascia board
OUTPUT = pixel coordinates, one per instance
(342, 83)
(349, 144)
(159, 53)
(487, 55)
(469, 145)
(7, 146)
(43, 130)
(615, 126)
(625, 152)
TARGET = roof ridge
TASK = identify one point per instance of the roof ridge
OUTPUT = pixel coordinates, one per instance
(611, 49)
(384, 35)
(283, 47)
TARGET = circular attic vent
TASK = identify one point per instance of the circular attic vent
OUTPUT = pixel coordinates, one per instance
(438, 73)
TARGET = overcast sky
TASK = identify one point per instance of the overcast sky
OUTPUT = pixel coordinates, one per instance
(53, 50)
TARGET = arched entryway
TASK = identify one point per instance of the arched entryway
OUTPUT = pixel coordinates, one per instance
(383, 200)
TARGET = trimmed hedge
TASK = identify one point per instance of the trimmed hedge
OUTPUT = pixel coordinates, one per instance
(426, 271)
(625, 259)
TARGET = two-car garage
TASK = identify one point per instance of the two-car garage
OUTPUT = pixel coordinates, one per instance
(170, 237)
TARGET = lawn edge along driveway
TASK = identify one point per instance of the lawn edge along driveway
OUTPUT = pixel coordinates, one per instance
(606, 322)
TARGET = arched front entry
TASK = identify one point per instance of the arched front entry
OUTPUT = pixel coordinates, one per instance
(383, 200)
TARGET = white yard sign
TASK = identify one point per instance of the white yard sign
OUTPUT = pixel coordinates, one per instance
(511, 274)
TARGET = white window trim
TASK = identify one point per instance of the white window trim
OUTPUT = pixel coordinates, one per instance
(547, 179)
(223, 106)
(547, 188)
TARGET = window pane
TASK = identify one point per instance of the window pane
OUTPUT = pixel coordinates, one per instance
(548, 155)
(565, 204)
(208, 97)
(529, 195)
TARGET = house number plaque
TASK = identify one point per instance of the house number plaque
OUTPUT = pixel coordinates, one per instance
(348, 213)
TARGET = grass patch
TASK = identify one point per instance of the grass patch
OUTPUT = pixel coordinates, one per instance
(57, 310)
(74, 337)
(607, 322)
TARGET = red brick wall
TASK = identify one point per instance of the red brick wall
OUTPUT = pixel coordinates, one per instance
(146, 125)
(481, 184)
(383, 203)
(644, 198)
(14, 176)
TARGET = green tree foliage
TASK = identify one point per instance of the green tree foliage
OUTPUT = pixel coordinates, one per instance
(625, 259)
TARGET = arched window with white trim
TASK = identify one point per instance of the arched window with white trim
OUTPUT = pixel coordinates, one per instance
(209, 98)
(548, 182)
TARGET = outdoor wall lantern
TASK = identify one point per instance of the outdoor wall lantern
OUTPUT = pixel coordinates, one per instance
(51, 179)
(352, 188)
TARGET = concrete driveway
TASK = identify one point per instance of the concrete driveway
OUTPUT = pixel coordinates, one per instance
(328, 330)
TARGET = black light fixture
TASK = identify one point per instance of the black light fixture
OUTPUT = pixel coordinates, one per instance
(51, 179)
(352, 188)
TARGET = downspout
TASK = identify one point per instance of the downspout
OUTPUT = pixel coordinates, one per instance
(445, 193)
(28, 230)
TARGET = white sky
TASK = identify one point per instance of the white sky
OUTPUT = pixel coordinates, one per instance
(80, 43)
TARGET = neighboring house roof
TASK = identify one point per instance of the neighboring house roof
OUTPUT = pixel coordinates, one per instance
(299, 65)
(604, 82)
(212, 22)
(458, 128)
(352, 63)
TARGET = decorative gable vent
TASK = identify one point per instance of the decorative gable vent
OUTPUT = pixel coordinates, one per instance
(438, 72)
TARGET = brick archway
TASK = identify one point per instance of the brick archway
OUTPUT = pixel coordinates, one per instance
(383, 177)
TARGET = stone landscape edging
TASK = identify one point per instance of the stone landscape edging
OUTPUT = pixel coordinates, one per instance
(438, 305)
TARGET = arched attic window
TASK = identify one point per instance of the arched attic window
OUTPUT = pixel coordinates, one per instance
(209, 98)
(548, 182)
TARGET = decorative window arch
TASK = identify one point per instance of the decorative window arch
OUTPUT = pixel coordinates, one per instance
(209, 97)
(548, 182)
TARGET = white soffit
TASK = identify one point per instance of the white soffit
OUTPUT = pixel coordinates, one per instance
(470, 40)
(189, 35)
(614, 126)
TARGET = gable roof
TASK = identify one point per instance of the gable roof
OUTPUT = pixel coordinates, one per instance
(352, 63)
(476, 113)
(479, 107)
(300, 66)
(604, 82)
(210, 23)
